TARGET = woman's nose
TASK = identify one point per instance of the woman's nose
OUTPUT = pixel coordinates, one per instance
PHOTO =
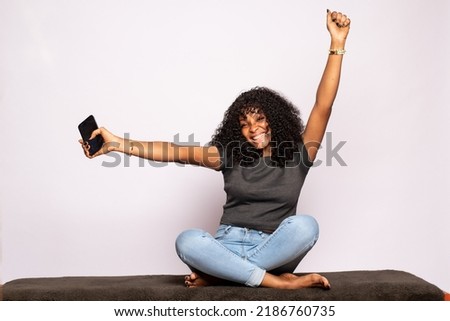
(253, 127)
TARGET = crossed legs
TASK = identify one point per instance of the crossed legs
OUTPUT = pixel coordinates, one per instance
(251, 257)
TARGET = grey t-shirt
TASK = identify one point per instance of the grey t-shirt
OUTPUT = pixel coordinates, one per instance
(261, 196)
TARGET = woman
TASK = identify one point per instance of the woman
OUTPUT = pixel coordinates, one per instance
(264, 153)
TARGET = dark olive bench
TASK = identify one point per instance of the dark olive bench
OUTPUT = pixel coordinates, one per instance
(384, 285)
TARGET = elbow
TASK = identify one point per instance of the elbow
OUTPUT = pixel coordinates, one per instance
(323, 108)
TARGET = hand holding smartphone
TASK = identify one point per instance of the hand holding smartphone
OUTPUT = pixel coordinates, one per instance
(86, 127)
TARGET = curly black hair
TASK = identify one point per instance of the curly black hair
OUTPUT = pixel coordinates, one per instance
(282, 116)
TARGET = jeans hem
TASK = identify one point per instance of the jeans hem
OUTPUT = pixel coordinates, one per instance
(256, 278)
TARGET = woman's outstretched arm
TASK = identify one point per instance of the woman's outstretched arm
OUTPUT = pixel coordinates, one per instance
(157, 151)
(338, 25)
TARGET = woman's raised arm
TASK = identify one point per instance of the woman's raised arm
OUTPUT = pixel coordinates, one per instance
(338, 25)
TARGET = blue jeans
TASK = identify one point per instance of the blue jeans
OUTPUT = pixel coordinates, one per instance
(243, 255)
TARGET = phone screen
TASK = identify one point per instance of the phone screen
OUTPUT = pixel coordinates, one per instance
(86, 128)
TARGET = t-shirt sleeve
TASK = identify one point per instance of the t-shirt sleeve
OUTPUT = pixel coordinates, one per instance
(223, 159)
(305, 157)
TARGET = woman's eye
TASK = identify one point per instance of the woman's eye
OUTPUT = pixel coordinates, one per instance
(243, 125)
(262, 118)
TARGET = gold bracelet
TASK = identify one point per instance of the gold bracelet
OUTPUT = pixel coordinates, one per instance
(337, 51)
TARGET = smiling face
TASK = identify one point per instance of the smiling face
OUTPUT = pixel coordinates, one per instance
(256, 130)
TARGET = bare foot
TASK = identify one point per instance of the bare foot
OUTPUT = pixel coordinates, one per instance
(196, 279)
(305, 281)
(283, 281)
(292, 281)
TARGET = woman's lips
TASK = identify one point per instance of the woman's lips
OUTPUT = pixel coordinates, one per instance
(259, 138)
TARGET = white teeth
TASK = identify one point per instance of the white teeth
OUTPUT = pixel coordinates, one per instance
(259, 137)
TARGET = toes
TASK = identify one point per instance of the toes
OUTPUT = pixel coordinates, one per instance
(189, 284)
(191, 280)
(326, 284)
(321, 281)
(191, 277)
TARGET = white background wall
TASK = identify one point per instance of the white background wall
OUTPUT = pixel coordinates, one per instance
(157, 68)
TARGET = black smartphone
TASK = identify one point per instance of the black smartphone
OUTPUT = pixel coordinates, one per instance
(86, 127)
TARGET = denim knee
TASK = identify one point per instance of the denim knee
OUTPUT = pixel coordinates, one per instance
(305, 225)
(187, 241)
